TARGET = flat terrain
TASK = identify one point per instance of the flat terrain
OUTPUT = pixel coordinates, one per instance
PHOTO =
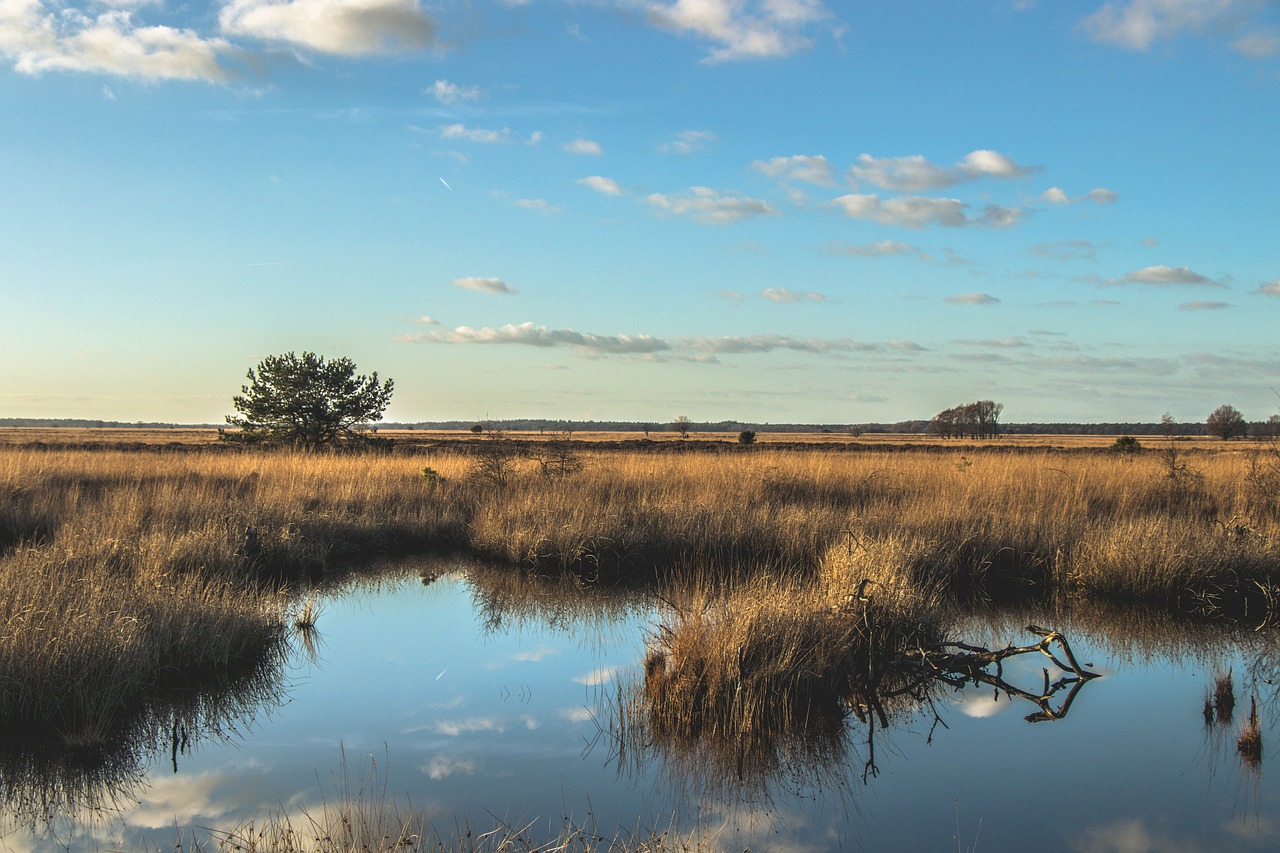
(126, 437)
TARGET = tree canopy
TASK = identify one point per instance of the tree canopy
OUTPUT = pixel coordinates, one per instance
(980, 419)
(1225, 422)
(307, 401)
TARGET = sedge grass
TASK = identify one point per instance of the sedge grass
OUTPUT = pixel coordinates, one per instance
(162, 564)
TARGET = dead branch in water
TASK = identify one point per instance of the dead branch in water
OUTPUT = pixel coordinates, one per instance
(960, 664)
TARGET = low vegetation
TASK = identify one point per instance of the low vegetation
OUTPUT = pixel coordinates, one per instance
(123, 572)
(799, 581)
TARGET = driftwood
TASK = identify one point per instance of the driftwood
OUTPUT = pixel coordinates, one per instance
(960, 664)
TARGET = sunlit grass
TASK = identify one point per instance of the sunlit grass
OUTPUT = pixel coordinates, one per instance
(122, 569)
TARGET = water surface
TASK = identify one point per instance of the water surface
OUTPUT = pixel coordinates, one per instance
(483, 704)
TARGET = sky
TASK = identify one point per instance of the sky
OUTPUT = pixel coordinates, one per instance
(758, 210)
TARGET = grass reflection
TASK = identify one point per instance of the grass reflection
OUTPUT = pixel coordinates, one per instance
(79, 773)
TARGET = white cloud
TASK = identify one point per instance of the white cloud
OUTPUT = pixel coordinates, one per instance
(1098, 195)
(1138, 24)
(704, 204)
(474, 134)
(453, 728)
(597, 676)
(697, 348)
(39, 39)
(487, 136)
(741, 29)
(877, 249)
(451, 93)
(1202, 306)
(1067, 250)
(535, 655)
(992, 343)
(782, 294)
(528, 334)
(688, 142)
(341, 27)
(1259, 45)
(910, 211)
(606, 186)
(915, 173)
(443, 766)
(426, 320)
(972, 299)
(748, 344)
(484, 285)
(799, 167)
(537, 204)
(919, 211)
(583, 146)
(1055, 195)
(1271, 288)
(1164, 275)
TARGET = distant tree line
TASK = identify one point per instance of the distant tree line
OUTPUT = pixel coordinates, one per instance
(979, 419)
(86, 423)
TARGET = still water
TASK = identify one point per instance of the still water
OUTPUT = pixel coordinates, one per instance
(480, 705)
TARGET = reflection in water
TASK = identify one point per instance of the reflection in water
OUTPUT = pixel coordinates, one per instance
(474, 685)
(748, 718)
(52, 786)
(506, 598)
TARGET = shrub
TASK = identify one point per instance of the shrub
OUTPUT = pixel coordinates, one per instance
(746, 437)
(1125, 444)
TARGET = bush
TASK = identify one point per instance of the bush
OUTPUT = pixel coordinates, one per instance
(746, 437)
(1125, 444)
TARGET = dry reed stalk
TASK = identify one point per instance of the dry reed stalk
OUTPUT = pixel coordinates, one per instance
(1249, 741)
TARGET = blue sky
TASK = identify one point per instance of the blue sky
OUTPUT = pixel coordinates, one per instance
(763, 210)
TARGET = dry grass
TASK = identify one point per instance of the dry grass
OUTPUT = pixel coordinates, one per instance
(752, 685)
(1249, 741)
(154, 563)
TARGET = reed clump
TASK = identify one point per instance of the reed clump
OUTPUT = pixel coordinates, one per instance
(745, 684)
(1249, 741)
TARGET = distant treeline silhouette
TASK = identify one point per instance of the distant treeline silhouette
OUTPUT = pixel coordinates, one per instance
(911, 427)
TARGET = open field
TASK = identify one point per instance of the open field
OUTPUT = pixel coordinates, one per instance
(410, 440)
(799, 579)
(121, 572)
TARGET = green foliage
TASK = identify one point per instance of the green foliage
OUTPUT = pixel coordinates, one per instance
(1125, 444)
(307, 401)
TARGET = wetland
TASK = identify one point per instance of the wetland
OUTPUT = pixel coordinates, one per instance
(604, 648)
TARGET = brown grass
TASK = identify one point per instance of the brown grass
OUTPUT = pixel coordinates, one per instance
(113, 561)
(1249, 741)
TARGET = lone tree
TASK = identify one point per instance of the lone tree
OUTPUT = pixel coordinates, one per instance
(681, 425)
(1225, 422)
(307, 402)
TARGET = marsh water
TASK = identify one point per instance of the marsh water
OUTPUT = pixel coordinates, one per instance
(483, 704)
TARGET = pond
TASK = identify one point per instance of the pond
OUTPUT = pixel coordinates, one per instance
(479, 703)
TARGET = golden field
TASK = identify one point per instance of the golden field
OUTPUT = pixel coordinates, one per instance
(793, 572)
